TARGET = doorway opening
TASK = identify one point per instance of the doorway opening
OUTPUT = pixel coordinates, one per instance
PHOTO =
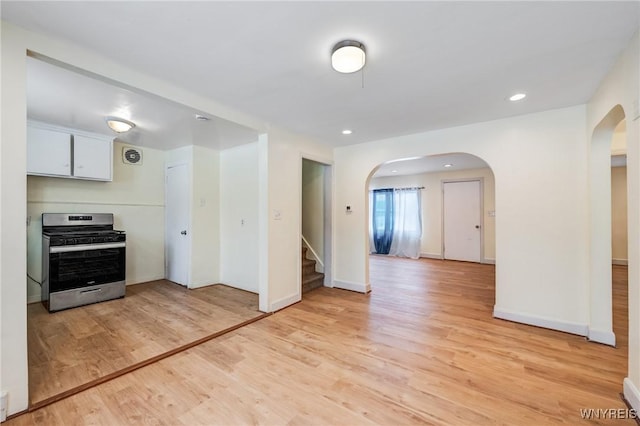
(315, 232)
(446, 183)
(608, 190)
(619, 235)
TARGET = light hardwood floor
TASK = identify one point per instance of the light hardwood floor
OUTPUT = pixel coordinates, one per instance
(70, 348)
(421, 348)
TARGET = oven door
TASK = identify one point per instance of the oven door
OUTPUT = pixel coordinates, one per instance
(85, 265)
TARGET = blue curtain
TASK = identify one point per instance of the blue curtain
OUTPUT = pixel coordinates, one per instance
(382, 219)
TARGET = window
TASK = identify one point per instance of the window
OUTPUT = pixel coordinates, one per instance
(396, 222)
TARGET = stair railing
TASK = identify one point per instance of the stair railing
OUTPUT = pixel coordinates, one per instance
(319, 263)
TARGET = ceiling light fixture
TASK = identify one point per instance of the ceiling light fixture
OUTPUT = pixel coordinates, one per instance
(394, 171)
(200, 117)
(119, 125)
(348, 56)
(517, 97)
(346, 132)
(448, 165)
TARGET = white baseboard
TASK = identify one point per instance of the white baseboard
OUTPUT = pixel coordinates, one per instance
(606, 337)
(347, 285)
(284, 302)
(489, 261)
(631, 393)
(431, 255)
(553, 324)
(622, 262)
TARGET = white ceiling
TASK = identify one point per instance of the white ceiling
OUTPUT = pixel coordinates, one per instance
(430, 164)
(63, 97)
(429, 64)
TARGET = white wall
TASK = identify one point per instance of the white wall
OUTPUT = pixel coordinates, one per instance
(313, 207)
(540, 204)
(135, 197)
(284, 153)
(619, 215)
(621, 87)
(619, 140)
(13, 213)
(431, 241)
(239, 214)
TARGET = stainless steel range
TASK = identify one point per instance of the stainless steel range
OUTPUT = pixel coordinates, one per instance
(83, 260)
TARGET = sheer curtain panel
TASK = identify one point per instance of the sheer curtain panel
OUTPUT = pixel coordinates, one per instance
(407, 223)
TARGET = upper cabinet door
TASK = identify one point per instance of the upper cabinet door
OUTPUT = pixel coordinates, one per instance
(93, 158)
(48, 152)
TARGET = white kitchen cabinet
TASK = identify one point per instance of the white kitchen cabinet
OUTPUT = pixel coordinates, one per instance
(48, 152)
(92, 158)
(63, 152)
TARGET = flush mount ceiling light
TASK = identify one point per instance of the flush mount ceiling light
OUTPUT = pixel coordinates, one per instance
(348, 56)
(517, 97)
(448, 165)
(119, 125)
(347, 132)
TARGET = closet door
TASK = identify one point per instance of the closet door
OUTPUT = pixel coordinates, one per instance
(462, 207)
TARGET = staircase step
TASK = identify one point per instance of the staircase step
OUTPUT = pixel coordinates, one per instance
(310, 278)
(308, 267)
(312, 282)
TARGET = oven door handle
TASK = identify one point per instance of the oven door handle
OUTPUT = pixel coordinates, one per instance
(85, 247)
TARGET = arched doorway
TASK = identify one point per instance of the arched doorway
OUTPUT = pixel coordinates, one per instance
(430, 176)
(601, 310)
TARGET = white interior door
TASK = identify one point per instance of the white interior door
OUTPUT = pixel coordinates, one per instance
(177, 238)
(462, 220)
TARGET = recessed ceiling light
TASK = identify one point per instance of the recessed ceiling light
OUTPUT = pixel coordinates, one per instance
(517, 97)
(448, 165)
(201, 117)
(347, 132)
(394, 171)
